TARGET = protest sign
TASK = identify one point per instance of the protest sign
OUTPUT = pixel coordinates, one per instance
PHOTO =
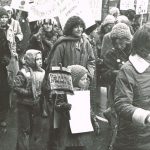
(64, 9)
(60, 80)
(20, 4)
(141, 6)
(42, 10)
(127, 4)
(96, 9)
(80, 121)
(75, 7)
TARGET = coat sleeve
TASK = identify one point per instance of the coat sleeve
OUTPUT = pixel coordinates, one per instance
(20, 85)
(19, 33)
(5, 53)
(124, 94)
(91, 59)
(58, 55)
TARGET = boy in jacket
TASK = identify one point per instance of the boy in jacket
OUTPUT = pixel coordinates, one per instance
(27, 86)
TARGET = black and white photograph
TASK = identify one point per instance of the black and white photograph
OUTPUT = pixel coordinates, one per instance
(74, 74)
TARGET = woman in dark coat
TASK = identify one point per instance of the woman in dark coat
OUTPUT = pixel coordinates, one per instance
(132, 95)
(113, 60)
(71, 49)
(5, 56)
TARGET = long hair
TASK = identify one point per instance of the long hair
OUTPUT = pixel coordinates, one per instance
(141, 41)
(71, 23)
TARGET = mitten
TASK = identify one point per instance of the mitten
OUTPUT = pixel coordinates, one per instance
(63, 106)
(22, 91)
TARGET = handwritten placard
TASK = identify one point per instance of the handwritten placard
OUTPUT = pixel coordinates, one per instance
(20, 4)
(60, 80)
(141, 6)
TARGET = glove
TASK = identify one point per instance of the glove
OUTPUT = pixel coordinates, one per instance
(63, 106)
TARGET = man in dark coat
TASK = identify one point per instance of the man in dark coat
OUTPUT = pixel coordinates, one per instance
(5, 56)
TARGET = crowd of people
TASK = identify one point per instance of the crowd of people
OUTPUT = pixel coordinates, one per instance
(115, 55)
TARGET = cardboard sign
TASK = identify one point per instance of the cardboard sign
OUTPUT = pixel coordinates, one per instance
(96, 9)
(45, 10)
(127, 4)
(80, 121)
(75, 7)
(60, 81)
(65, 9)
(141, 6)
(20, 4)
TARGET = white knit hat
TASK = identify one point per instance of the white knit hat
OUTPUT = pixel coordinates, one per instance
(121, 30)
(123, 19)
(114, 10)
(109, 19)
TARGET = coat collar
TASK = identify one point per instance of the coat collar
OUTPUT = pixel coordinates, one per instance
(139, 63)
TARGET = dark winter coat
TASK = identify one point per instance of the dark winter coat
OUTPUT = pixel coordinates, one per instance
(5, 56)
(68, 53)
(132, 98)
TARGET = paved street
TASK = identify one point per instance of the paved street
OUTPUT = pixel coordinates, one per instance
(8, 139)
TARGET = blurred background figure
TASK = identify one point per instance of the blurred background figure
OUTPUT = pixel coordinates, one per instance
(14, 36)
(22, 46)
(45, 38)
(5, 56)
(103, 29)
(114, 11)
(133, 18)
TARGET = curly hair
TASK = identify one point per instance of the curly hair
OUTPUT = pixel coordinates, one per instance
(141, 40)
(71, 23)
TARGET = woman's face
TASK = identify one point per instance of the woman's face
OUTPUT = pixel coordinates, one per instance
(77, 31)
(120, 44)
(108, 27)
(3, 20)
(47, 27)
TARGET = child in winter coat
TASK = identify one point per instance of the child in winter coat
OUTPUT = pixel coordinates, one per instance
(27, 86)
(64, 139)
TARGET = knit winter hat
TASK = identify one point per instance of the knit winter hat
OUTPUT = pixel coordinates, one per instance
(121, 30)
(123, 19)
(3, 12)
(114, 11)
(77, 72)
(8, 8)
(110, 19)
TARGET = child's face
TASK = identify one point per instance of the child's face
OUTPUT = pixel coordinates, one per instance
(3, 20)
(39, 60)
(84, 82)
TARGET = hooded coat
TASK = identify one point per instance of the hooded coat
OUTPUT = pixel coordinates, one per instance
(28, 81)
